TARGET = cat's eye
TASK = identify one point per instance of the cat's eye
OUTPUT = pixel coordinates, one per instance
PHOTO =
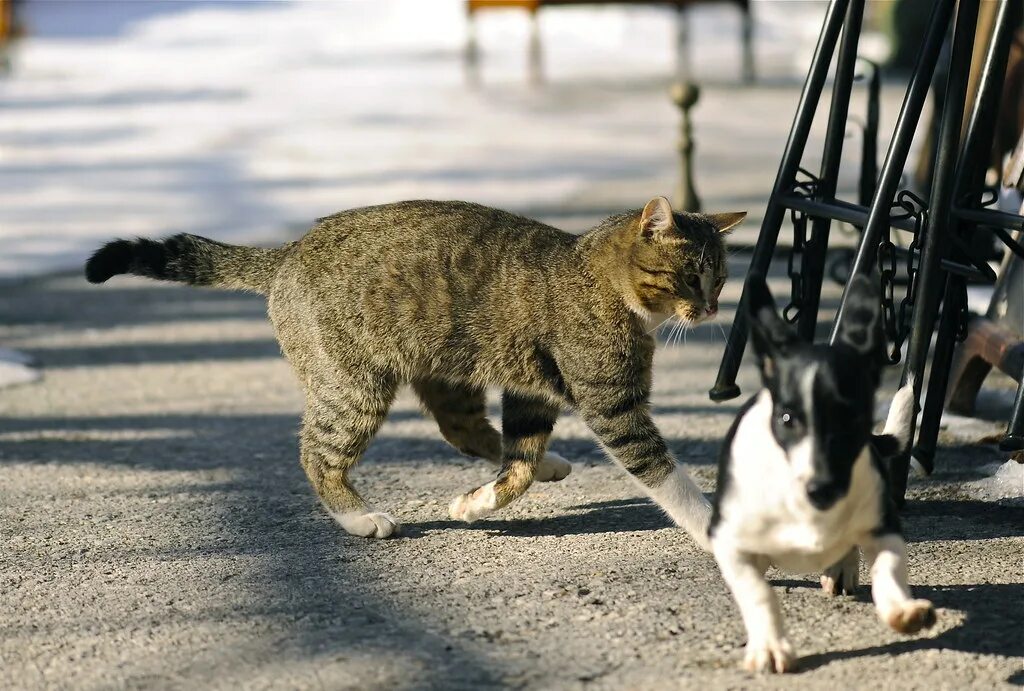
(693, 280)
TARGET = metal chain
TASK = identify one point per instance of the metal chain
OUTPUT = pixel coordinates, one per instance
(896, 324)
(887, 273)
(795, 265)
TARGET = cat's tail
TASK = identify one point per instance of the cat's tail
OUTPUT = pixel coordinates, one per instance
(188, 259)
(895, 438)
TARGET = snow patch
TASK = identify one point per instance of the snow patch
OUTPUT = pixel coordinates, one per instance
(16, 368)
(1006, 481)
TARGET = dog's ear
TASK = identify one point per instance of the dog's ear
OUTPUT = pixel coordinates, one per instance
(861, 326)
(772, 337)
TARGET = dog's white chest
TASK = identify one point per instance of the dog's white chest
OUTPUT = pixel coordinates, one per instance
(765, 509)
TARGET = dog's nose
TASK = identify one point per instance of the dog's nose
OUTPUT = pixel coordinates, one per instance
(822, 493)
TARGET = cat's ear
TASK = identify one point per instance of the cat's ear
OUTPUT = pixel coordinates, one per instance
(656, 218)
(724, 223)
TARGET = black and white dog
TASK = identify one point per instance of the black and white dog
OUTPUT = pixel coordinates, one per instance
(801, 482)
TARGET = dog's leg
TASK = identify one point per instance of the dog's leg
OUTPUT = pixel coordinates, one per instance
(767, 647)
(842, 577)
(887, 557)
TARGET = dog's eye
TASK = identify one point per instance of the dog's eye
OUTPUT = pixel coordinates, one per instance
(788, 420)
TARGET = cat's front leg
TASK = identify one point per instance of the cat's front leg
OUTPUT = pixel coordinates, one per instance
(527, 422)
(620, 419)
(767, 648)
(887, 558)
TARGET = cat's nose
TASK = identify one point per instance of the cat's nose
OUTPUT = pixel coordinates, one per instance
(712, 310)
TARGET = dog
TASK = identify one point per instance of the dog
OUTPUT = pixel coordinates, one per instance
(802, 481)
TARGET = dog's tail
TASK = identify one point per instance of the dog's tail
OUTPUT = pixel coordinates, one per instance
(188, 259)
(895, 437)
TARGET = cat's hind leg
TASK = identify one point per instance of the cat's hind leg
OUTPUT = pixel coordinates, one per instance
(341, 418)
(461, 414)
(527, 422)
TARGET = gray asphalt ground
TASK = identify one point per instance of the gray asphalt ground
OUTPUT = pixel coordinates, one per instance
(158, 532)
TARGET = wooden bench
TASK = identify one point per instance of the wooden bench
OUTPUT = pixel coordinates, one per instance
(472, 54)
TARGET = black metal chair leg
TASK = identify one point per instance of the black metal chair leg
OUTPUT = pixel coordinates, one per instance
(896, 156)
(938, 379)
(980, 132)
(725, 386)
(940, 220)
(813, 264)
(1014, 439)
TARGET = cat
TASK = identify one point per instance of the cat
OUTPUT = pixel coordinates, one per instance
(452, 297)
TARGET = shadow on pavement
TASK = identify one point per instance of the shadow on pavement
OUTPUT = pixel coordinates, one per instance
(152, 353)
(617, 516)
(283, 565)
(71, 304)
(992, 627)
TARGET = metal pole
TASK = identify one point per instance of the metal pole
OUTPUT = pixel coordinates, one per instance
(685, 95)
(748, 46)
(813, 265)
(896, 157)
(938, 379)
(940, 218)
(1014, 440)
(725, 387)
(682, 46)
(980, 131)
(969, 179)
(471, 54)
(536, 56)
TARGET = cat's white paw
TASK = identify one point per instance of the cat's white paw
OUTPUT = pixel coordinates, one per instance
(552, 469)
(910, 616)
(843, 577)
(473, 505)
(367, 524)
(770, 656)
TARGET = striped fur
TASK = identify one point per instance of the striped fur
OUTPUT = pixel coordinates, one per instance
(452, 298)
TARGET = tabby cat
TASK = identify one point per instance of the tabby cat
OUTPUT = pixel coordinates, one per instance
(452, 297)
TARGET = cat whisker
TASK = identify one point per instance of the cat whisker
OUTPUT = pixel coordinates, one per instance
(662, 323)
(676, 332)
(722, 329)
(671, 332)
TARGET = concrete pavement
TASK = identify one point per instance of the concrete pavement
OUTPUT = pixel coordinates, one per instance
(159, 532)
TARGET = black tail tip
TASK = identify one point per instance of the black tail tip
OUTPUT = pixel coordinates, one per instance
(110, 260)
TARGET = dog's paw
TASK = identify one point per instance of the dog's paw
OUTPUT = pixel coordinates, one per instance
(473, 505)
(843, 577)
(367, 524)
(552, 468)
(911, 616)
(770, 656)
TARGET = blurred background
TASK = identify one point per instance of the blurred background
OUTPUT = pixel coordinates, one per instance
(246, 120)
